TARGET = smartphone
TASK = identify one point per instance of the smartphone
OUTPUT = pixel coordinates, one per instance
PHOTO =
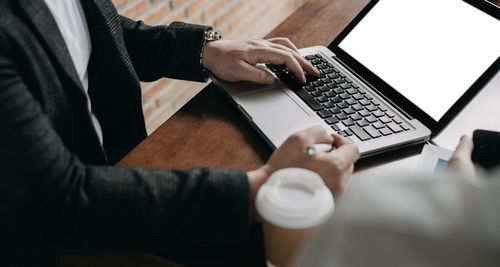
(486, 152)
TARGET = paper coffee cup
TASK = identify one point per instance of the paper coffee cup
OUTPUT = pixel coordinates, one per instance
(292, 202)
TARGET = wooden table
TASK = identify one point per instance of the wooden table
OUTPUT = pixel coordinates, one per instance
(209, 131)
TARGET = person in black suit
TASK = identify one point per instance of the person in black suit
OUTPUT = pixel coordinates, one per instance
(58, 188)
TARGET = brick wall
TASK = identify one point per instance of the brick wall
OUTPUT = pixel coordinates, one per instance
(237, 19)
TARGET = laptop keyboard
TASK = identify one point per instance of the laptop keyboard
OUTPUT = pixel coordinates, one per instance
(341, 103)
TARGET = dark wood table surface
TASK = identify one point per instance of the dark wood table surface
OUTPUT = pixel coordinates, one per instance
(209, 131)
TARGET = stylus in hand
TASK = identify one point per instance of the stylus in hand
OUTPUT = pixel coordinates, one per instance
(317, 148)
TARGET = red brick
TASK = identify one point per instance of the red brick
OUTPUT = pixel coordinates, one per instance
(118, 3)
(137, 8)
(176, 3)
(157, 15)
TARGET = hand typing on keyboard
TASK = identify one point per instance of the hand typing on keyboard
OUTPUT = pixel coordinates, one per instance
(237, 60)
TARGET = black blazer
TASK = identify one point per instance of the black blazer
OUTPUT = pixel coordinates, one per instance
(57, 190)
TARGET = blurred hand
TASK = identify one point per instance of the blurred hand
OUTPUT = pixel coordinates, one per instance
(236, 60)
(335, 167)
(461, 158)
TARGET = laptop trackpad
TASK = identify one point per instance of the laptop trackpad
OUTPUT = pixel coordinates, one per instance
(276, 114)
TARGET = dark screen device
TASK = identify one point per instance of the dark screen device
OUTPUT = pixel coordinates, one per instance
(486, 152)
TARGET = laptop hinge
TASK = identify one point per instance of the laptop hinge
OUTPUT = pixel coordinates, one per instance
(408, 116)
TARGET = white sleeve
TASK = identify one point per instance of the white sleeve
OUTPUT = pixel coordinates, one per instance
(445, 220)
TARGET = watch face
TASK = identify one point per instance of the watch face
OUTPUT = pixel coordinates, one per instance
(212, 35)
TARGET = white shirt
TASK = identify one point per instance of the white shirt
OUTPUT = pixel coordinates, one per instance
(72, 24)
(446, 220)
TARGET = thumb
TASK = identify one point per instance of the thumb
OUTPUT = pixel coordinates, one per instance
(256, 74)
(464, 148)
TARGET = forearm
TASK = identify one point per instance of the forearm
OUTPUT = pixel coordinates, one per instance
(164, 51)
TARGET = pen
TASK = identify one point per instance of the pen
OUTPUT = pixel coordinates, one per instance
(316, 148)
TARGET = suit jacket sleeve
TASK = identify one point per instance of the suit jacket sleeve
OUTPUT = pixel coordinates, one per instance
(48, 194)
(164, 51)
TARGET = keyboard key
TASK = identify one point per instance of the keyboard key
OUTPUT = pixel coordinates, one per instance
(341, 116)
(385, 131)
(318, 83)
(322, 99)
(345, 85)
(355, 85)
(348, 80)
(331, 120)
(348, 132)
(405, 127)
(342, 105)
(332, 85)
(339, 80)
(372, 131)
(324, 113)
(316, 93)
(368, 96)
(362, 123)
(327, 71)
(357, 107)
(349, 111)
(365, 113)
(378, 113)
(358, 97)
(348, 122)
(355, 117)
(385, 119)
(310, 101)
(323, 88)
(365, 102)
(343, 75)
(335, 110)
(335, 127)
(371, 119)
(376, 102)
(360, 133)
(309, 88)
(351, 101)
(338, 90)
(327, 80)
(360, 90)
(328, 104)
(330, 94)
(390, 114)
(378, 125)
(370, 107)
(336, 99)
(395, 127)
(333, 76)
(397, 120)
(352, 91)
(316, 61)
(382, 107)
(321, 66)
(345, 96)
(310, 57)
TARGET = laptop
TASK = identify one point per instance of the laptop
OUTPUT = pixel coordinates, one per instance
(396, 76)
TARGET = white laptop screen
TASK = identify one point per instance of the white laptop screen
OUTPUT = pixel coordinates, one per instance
(430, 51)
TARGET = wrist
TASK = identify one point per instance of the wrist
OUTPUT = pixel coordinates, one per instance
(209, 37)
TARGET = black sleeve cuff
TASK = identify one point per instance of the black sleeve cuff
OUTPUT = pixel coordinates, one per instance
(187, 40)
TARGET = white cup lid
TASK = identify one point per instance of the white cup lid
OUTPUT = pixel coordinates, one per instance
(295, 198)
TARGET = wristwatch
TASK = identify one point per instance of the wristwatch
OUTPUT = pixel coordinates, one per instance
(210, 35)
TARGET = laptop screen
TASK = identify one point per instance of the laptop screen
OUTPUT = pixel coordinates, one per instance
(430, 51)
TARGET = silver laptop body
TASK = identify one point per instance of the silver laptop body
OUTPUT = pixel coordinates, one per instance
(276, 111)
